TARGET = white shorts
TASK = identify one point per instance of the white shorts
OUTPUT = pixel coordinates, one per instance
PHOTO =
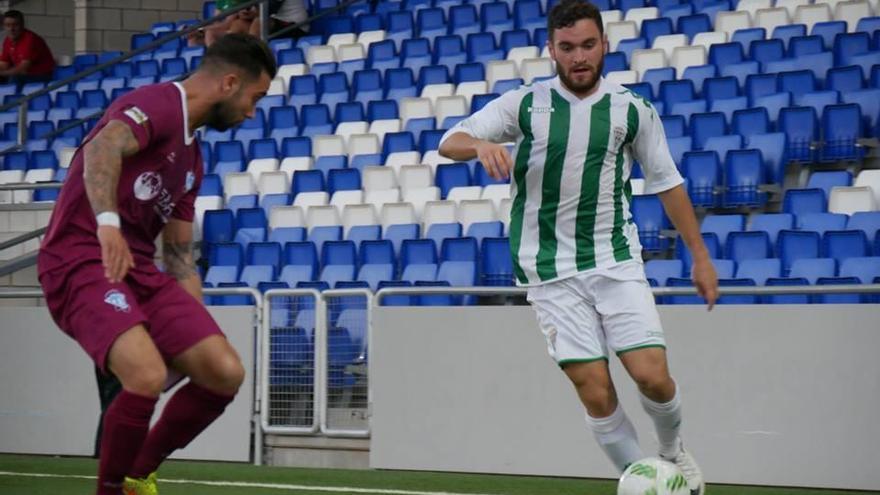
(605, 308)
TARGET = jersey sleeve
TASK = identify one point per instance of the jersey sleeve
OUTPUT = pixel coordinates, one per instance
(149, 115)
(497, 122)
(652, 152)
(185, 209)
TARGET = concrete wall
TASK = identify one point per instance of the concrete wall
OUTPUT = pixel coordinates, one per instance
(773, 395)
(80, 26)
(51, 19)
(49, 400)
(108, 24)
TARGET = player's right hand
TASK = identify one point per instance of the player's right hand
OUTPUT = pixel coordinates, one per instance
(495, 159)
(116, 255)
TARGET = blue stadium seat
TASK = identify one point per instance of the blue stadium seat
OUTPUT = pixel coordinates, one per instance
(759, 270)
(296, 146)
(397, 142)
(511, 39)
(720, 88)
(767, 50)
(301, 254)
(690, 25)
(845, 79)
(805, 45)
(818, 100)
(399, 83)
(338, 253)
(439, 232)
(652, 28)
(382, 110)
(796, 244)
(648, 214)
(462, 249)
(821, 222)
(417, 251)
(723, 54)
(218, 226)
(270, 201)
(496, 262)
(319, 235)
(723, 144)
(334, 274)
(382, 55)
(737, 299)
(800, 201)
(786, 299)
(616, 61)
(866, 221)
(227, 254)
(307, 181)
(828, 31)
(343, 180)
(744, 172)
(702, 169)
(722, 225)
(801, 129)
(367, 86)
(825, 180)
(849, 45)
(315, 120)
(841, 128)
(374, 274)
(397, 234)
(283, 235)
(254, 274)
(706, 125)
(433, 74)
(672, 92)
(451, 175)
(758, 85)
(674, 125)
(482, 230)
(419, 272)
(463, 20)
(811, 269)
(659, 271)
(843, 244)
(360, 233)
(221, 274)
(750, 121)
(377, 252)
(772, 223)
(527, 14)
(748, 245)
(683, 253)
(431, 23)
(303, 90)
(788, 31)
(866, 269)
(772, 147)
(468, 72)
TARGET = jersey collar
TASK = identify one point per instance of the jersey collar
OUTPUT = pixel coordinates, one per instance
(187, 137)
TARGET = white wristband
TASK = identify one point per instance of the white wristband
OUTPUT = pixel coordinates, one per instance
(109, 218)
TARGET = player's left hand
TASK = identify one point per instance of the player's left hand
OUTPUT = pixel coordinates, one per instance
(706, 281)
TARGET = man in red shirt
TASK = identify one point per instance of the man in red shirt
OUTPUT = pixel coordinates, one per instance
(25, 57)
(136, 176)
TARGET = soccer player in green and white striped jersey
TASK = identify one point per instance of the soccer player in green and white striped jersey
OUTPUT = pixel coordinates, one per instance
(572, 237)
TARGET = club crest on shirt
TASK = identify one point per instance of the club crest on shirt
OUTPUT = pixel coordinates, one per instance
(117, 299)
(619, 136)
(137, 115)
(147, 186)
(190, 181)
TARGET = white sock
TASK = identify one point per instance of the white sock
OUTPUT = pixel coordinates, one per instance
(667, 421)
(617, 437)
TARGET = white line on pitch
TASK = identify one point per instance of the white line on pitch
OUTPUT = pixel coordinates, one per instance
(243, 484)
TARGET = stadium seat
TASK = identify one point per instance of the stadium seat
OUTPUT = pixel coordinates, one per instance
(796, 244)
(759, 270)
(801, 201)
(850, 200)
(843, 244)
(659, 271)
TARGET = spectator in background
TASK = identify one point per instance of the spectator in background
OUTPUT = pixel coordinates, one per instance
(242, 22)
(25, 57)
(289, 12)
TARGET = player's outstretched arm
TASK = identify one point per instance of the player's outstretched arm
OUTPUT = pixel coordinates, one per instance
(103, 163)
(494, 157)
(678, 206)
(177, 256)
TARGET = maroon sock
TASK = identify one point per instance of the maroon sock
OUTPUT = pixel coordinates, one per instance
(125, 426)
(186, 415)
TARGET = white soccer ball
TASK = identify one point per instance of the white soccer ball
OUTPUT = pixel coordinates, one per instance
(652, 476)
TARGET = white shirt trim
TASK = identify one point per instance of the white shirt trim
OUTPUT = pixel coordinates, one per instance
(187, 137)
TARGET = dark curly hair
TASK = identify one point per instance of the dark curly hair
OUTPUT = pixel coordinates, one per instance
(244, 51)
(567, 12)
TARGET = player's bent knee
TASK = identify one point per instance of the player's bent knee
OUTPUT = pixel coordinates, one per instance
(652, 384)
(227, 373)
(148, 380)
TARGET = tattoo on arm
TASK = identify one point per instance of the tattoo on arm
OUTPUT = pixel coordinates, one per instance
(178, 259)
(103, 163)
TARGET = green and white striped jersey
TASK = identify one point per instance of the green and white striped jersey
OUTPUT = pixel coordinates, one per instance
(570, 183)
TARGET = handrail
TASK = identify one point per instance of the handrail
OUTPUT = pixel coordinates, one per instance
(657, 291)
(8, 243)
(148, 47)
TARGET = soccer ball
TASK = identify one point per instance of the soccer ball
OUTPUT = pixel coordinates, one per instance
(652, 476)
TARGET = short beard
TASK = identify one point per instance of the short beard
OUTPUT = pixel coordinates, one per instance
(583, 87)
(221, 117)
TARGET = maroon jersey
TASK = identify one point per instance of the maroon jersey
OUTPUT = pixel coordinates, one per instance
(159, 182)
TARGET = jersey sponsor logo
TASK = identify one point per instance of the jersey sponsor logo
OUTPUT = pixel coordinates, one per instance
(541, 109)
(147, 186)
(117, 299)
(171, 157)
(190, 181)
(137, 115)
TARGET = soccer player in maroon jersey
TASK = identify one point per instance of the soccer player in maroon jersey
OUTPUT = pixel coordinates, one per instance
(137, 174)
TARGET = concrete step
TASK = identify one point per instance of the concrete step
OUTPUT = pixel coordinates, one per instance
(317, 452)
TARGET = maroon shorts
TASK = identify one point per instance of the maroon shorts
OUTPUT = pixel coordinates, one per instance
(94, 312)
